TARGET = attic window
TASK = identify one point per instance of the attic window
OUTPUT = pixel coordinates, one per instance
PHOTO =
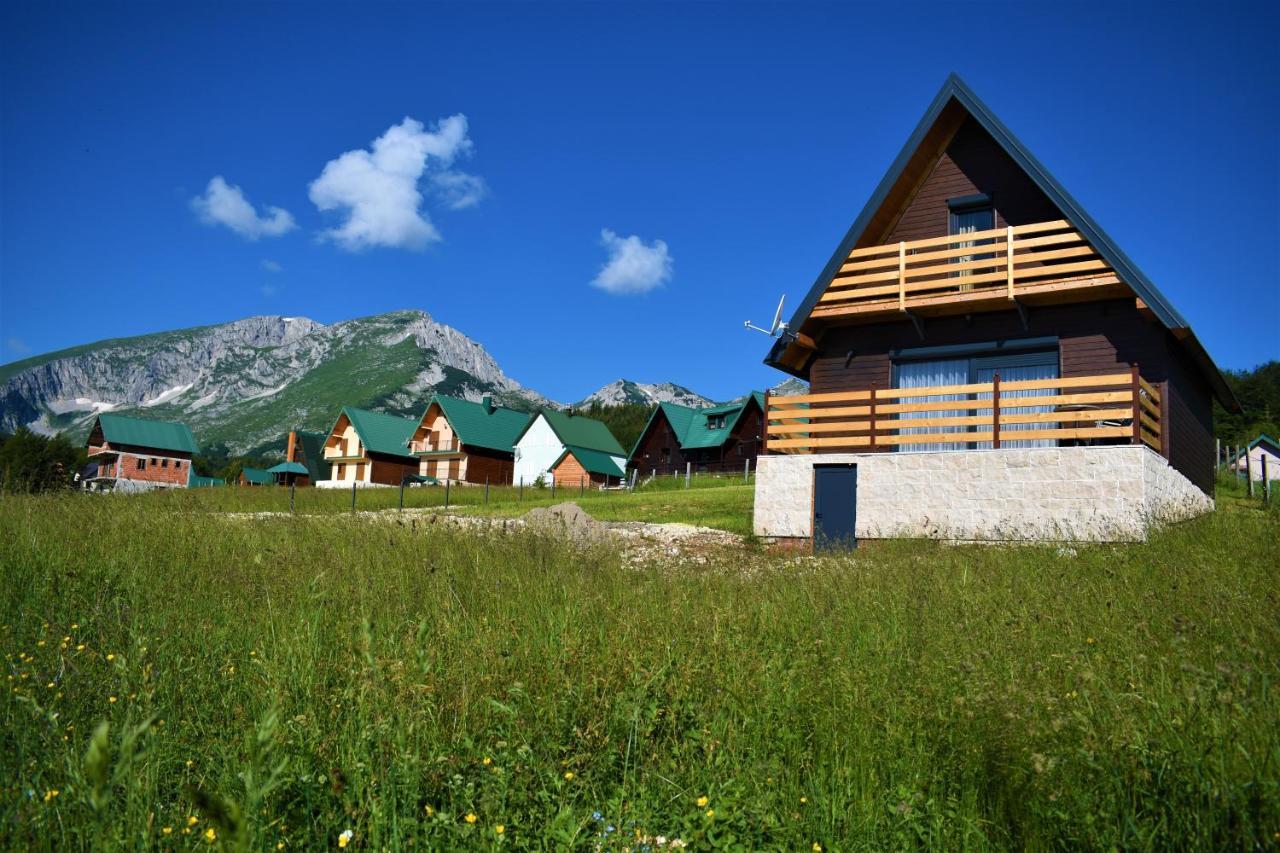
(715, 421)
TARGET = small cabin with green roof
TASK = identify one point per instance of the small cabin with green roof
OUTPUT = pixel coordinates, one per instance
(715, 438)
(569, 449)
(466, 442)
(139, 452)
(367, 448)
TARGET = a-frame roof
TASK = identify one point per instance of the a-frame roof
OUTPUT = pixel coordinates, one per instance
(378, 432)
(481, 425)
(578, 431)
(690, 424)
(955, 96)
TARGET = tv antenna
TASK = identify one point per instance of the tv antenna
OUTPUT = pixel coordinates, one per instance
(777, 327)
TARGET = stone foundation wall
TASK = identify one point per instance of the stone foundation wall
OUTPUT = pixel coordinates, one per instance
(1069, 493)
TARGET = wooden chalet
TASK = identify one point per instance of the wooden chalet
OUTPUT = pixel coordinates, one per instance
(304, 463)
(367, 448)
(255, 477)
(569, 449)
(715, 438)
(136, 453)
(465, 442)
(975, 320)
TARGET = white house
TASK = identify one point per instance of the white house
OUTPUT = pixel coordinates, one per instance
(569, 446)
(1264, 446)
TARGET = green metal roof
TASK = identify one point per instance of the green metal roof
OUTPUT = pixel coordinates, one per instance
(595, 461)
(578, 431)
(479, 426)
(287, 468)
(313, 455)
(140, 432)
(380, 433)
(195, 481)
(257, 476)
(690, 425)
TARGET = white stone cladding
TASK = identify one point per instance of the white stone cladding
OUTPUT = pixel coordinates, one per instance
(1069, 493)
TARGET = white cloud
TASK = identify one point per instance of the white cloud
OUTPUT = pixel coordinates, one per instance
(378, 188)
(225, 204)
(17, 346)
(632, 267)
(268, 290)
(271, 266)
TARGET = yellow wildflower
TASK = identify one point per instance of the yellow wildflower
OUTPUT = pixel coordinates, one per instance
(80, 647)
(345, 838)
(75, 625)
(487, 761)
(50, 794)
(471, 817)
(210, 835)
(110, 658)
(430, 811)
(111, 699)
(804, 800)
(193, 820)
(50, 685)
(40, 644)
(168, 830)
(568, 777)
(702, 801)
(190, 763)
(499, 829)
(817, 848)
(711, 812)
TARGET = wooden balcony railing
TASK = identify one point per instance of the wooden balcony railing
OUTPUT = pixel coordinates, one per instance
(993, 265)
(1118, 408)
(424, 446)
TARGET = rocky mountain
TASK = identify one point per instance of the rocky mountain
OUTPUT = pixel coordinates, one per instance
(241, 385)
(790, 388)
(624, 391)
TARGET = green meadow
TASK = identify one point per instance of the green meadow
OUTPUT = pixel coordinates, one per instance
(178, 676)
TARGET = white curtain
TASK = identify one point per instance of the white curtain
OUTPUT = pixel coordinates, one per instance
(923, 374)
(1018, 373)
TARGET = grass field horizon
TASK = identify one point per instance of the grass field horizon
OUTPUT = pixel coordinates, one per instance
(180, 678)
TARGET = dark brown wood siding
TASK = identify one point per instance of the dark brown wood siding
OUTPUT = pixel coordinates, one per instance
(493, 466)
(1093, 338)
(659, 450)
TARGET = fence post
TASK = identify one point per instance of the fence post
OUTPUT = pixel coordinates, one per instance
(873, 416)
(582, 486)
(486, 490)
(553, 487)
(446, 492)
(746, 470)
(1235, 464)
(402, 479)
(995, 408)
(1217, 452)
(1248, 470)
(688, 473)
(1137, 404)
(521, 493)
(291, 487)
(353, 495)
(1266, 481)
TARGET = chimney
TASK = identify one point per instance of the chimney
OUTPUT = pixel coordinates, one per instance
(487, 402)
(293, 447)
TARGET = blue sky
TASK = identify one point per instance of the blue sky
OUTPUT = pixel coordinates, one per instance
(735, 143)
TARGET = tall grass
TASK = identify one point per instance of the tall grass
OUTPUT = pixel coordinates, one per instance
(283, 680)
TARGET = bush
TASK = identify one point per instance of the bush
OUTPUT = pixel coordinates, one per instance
(34, 463)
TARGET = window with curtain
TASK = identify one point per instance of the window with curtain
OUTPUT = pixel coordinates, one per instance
(965, 370)
(968, 220)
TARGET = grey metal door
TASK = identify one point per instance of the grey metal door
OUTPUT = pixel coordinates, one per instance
(835, 500)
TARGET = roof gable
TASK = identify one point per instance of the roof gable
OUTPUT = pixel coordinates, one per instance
(141, 432)
(477, 425)
(577, 430)
(593, 461)
(378, 432)
(691, 427)
(954, 103)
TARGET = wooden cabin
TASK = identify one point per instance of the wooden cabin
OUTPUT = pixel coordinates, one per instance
(984, 363)
(304, 462)
(136, 454)
(581, 449)
(716, 438)
(255, 477)
(465, 442)
(367, 448)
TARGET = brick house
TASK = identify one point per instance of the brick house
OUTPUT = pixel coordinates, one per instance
(138, 454)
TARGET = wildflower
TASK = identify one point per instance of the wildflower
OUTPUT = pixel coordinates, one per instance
(345, 838)
(66, 640)
(190, 763)
(597, 816)
(80, 647)
(210, 835)
(703, 800)
(661, 841)
(50, 794)
(40, 644)
(110, 658)
(430, 811)
(499, 829)
(711, 813)
(279, 845)
(75, 625)
(50, 685)
(568, 777)
(193, 820)
(111, 699)
(168, 830)
(817, 848)
(487, 761)
(471, 817)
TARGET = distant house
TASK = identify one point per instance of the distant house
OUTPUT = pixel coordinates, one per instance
(717, 438)
(369, 449)
(569, 448)
(304, 462)
(255, 477)
(1264, 446)
(136, 453)
(467, 442)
